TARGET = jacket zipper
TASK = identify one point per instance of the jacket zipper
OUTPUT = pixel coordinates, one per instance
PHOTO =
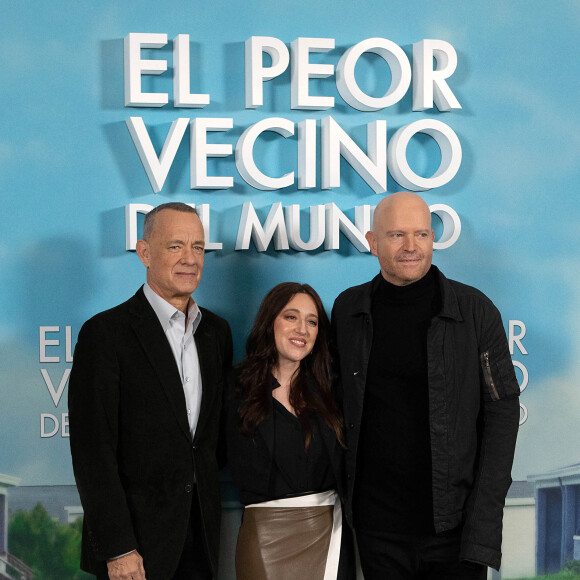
(488, 376)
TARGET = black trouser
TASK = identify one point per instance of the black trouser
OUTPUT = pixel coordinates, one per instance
(193, 564)
(402, 557)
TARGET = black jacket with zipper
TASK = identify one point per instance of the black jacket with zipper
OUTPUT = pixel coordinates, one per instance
(473, 408)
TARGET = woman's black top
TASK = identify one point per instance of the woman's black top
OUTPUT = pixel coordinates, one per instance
(295, 470)
(273, 463)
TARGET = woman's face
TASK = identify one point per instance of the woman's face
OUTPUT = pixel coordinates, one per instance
(296, 329)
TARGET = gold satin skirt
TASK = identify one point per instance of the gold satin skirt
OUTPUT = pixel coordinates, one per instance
(285, 543)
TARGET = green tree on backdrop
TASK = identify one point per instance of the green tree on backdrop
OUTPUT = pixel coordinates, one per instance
(49, 548)
(571, 571)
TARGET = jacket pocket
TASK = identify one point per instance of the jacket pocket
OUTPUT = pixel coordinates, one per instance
(498, 373)
(488, 375)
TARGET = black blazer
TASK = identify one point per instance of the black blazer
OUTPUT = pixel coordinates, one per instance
(134, 461)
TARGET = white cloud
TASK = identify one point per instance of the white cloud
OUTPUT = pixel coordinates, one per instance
(539, 142)
(455, 33)
(550, 438)
(44, 469)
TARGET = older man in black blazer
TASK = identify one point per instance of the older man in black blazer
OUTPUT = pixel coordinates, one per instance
(144, 403)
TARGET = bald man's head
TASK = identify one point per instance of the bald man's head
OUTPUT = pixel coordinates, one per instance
(402, 238)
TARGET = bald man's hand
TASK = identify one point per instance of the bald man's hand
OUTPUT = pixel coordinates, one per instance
(128, 567)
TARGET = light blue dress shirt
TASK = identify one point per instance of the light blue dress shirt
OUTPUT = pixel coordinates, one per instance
(181, 340)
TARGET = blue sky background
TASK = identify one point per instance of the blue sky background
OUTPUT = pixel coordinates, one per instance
(68, 167)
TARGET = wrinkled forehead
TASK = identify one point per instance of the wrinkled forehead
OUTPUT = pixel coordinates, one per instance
(170, 222)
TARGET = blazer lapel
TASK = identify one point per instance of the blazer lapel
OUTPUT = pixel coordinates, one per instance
(154, 342)
(210, 368)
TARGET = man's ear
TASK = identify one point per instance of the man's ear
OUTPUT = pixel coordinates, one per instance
(143, 252)
(372, 240)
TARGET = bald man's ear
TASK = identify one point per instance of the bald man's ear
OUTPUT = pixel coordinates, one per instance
(143, 252)
(372, 240)
(433, 235)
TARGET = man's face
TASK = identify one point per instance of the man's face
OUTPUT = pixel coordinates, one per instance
(173, 255)
(402, 240)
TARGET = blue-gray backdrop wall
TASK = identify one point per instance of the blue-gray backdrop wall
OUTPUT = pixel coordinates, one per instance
(69, 168)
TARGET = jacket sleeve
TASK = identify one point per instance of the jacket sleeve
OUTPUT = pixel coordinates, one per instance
(335, 355)
(226, 417)
(93, 429)
(498, 425)
(228, 350)
(227, 373)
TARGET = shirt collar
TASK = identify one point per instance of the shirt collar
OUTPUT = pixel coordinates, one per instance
(274, 384)
(166, 312)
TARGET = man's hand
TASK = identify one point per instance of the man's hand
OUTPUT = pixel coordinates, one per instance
(128, 567)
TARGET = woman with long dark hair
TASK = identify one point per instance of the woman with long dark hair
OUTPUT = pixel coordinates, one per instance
(285, 444)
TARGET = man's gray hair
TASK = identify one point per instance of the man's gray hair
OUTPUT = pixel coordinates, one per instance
(150, 217)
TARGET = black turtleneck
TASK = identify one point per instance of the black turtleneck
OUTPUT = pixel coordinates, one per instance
(393, 489)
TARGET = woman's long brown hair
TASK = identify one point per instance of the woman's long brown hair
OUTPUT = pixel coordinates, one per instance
(254, 379)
